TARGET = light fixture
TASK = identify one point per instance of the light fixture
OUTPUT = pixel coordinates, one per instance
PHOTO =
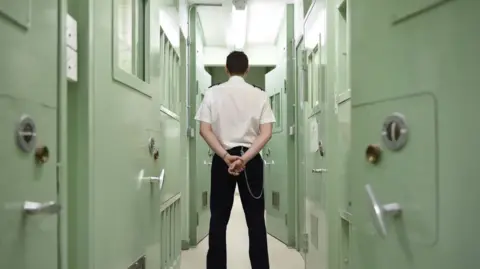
(238, 29)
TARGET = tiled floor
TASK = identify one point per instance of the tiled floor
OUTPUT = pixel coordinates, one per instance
(237, 240)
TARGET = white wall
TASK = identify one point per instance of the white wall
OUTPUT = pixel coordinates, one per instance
(298, 16)
(169, 21)
(183, 16)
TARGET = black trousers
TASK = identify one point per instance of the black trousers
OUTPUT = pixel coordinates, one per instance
(221, 202)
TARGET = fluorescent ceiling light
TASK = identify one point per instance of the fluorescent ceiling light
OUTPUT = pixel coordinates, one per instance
(238, 30)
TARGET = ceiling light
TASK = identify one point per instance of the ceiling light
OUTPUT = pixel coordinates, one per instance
(238, 30)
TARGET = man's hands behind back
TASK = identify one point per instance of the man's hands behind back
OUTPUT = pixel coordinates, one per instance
(237, 167)
(235, 164)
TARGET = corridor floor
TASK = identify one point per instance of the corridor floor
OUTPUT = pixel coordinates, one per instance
(281, 257)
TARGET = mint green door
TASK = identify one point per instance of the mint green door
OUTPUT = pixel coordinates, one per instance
(28, 109)
(413, 171)
(300, 145)
(275, 158)
(316, 170)
(202, 177)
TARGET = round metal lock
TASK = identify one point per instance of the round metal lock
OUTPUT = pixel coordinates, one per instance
(26, 134)
(395, 132)
(210, 152)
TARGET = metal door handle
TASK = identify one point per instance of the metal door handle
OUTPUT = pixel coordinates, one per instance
(319, 170)
(267, 163)
(207, 163)
(160, 179)
(35, 208)
(379, 211)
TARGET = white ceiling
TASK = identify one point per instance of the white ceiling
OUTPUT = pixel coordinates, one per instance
(264, 19)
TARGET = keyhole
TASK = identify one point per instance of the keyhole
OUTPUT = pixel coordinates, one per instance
(42, 154)
(393, 131)
(27, 133)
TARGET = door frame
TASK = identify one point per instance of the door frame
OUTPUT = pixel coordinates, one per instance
(62, 130)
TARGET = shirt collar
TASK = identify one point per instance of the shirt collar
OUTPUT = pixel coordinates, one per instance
(236, 79)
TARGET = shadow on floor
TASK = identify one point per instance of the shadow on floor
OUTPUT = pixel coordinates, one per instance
(281, 257)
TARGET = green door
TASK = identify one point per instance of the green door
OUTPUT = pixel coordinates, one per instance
(300, 140)
(275, 158)
(202, 177)
(315, 215)
(413, 171)
(28, 134)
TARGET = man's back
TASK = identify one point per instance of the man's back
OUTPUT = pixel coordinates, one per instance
(236, 111)
(236, 122)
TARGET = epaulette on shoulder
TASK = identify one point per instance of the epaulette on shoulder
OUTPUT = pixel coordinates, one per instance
(216, 84)
(257, 87)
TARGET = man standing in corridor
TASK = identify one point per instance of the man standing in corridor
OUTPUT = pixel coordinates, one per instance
(236, 122)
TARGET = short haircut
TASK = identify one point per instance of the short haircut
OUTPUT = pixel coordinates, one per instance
(237, 63)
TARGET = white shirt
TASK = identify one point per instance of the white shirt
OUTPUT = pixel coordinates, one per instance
(235, 109)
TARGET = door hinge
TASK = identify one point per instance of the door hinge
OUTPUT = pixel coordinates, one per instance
(286, 219)
(198, 222)
(305, 243)
(189, 41)
(284, 85)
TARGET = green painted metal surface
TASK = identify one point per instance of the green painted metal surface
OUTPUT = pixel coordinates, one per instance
(203, 159)
(199, 155)
(279, 154)
(111, 119)
(316, 152)
(170, 235)
(255, 76)
(300, 147)
(323, 114)
(421, 62)
(29, 85)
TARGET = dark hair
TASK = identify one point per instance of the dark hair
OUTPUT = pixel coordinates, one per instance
(237, 63)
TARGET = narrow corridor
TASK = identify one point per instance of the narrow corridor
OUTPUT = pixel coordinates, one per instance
(281, 257)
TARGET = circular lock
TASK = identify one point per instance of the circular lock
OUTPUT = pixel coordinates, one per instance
(395, 132)
(155, 154)
(26, 134)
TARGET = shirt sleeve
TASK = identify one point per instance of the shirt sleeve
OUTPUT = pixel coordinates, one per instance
(204, 113)
(267, 113)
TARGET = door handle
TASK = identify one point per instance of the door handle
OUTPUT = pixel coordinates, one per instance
(207, 163)
(379, 211)
(36, 208)
(267, 163)
(319, 170)
(160, 179)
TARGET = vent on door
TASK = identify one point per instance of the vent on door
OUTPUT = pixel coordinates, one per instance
(276, 200)
(205, 199)
(314, 230)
